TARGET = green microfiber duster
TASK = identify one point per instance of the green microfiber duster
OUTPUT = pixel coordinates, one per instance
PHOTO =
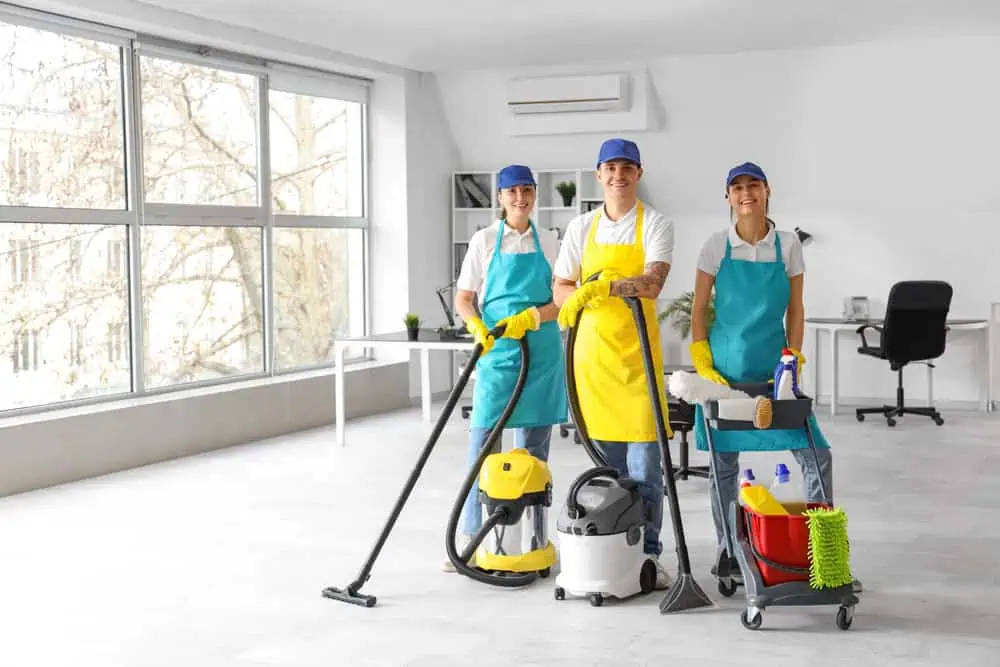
(829, 548)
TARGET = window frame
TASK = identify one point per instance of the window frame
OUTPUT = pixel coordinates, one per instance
(138, 214)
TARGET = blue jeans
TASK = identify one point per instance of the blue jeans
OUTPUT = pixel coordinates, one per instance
(727, 466)
(535, 440)
(641, 462)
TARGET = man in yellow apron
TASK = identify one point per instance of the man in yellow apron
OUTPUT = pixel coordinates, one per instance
(631, 246)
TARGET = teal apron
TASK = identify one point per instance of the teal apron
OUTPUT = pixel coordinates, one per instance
(746, 341)
(514, 282)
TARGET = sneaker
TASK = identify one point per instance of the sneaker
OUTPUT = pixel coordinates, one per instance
(461, 543)
(662, 578)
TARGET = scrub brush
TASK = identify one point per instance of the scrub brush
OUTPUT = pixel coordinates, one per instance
(829, 548)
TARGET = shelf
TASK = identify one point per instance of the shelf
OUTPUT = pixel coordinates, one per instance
(574, 209)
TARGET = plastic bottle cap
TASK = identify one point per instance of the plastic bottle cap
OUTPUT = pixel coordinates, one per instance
(781, 472)
(748, 473)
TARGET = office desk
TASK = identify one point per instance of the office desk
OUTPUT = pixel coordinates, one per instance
(427, 340)
(834, 326)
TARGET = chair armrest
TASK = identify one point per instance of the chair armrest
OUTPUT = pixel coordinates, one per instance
(861, 330)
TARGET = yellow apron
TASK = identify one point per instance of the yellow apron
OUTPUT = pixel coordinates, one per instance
(610, 375)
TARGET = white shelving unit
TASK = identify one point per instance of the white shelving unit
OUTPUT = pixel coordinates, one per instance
(474, 204)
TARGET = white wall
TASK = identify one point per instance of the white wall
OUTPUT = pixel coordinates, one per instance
(885, 152)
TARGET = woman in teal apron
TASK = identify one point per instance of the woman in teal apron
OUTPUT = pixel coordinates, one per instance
(757, 272)
(509, 267)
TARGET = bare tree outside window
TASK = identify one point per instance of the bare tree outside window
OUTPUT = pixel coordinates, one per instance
(201, 286)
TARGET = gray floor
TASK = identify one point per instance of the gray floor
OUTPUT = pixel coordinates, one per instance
(219, 560)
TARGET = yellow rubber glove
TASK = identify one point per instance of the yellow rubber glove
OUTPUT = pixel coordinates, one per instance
(798, 355)
(586, 294)
(480, 333)
(701, 357)
(517, 325)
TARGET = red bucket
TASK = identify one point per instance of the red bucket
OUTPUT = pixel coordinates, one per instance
(783, 540)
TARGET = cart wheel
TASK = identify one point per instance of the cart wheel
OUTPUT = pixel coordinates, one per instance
(859, 417)
(890, 421)
(563, 432)
(845, 616)
(727, 589)
(938, 420)
(647, 577)
(544, 574)
(752, 624)
(596, 599)
(560, 593)
(576, 439)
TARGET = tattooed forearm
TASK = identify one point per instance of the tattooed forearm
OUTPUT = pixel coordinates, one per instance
(646, 286)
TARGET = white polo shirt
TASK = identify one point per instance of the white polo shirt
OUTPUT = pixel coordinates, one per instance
(714, 250)
(483, 243)
(657, 238)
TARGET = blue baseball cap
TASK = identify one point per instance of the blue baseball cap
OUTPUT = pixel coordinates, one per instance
(514, 174)
(745, 169)
(618, 149)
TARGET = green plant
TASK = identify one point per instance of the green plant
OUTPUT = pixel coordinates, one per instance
(567, 189)
(412, 321)
(679, 312)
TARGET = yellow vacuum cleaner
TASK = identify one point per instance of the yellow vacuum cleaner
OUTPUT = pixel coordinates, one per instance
(515, 489)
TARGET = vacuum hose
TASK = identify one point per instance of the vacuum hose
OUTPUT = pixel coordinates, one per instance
(574, 398)
(461, 561)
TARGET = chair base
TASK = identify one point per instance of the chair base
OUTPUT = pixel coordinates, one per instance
(892, 412)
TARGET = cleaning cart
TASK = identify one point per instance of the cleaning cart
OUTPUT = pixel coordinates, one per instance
(773, 550)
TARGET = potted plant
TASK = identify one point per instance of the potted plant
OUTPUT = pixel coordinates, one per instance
(567, 189)
(412, 326)
(679, 312)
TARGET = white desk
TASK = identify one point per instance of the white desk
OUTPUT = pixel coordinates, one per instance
(427, 340)
(835, 326)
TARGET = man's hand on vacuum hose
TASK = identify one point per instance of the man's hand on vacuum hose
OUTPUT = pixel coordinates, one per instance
(701, 357)
(588, 294)
(480, 333)
(517, 325)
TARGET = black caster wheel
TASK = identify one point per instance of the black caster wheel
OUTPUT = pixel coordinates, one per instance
(845, 616)
(560, 593)
(860, 417)
(890, 421)
(596, 600)
(576, 439)
(563, 432)
(727, 589)
(647, 577)
(755, 623)
(544, 574)
(938, 421)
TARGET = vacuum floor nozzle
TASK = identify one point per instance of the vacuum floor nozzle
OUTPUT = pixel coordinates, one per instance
(345, 595)
(684, 594)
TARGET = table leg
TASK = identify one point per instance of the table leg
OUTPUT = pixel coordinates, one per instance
(988, 405)
(338, 390)
(814, 388)
(425, 382)
(930, 385)
(834, 371)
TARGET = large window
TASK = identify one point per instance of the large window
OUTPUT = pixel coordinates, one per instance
(170, 217)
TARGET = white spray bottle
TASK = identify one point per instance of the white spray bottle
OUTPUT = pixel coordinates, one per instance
(786, 377)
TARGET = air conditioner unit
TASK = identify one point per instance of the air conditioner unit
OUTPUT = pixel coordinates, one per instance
(568, 94)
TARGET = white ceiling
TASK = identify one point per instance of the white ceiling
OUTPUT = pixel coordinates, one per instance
(435, 35)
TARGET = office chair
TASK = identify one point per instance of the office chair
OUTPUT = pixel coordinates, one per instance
(914, 329)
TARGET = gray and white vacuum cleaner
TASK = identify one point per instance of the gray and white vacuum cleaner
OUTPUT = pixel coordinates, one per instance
(600, 534)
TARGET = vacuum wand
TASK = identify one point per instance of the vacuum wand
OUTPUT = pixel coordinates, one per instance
(351, 594)
(685, 593)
